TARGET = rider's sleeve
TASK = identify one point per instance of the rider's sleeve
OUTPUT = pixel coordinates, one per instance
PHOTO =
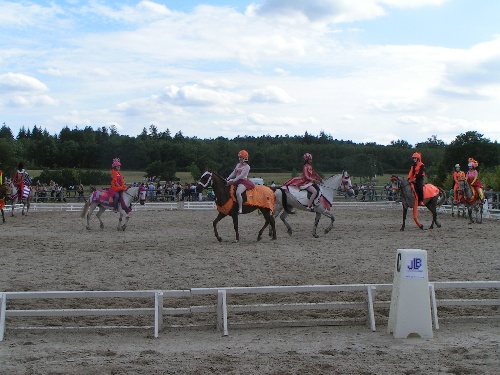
(233, 173)
(244, 173)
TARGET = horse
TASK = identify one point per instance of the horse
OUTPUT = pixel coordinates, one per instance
(433, 198)
(13, 193)
(104, 200)
(227, 206)
(290, 197)
(471, 200)
(3, 196)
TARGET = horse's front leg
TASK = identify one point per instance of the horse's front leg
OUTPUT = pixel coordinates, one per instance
(316, 222)
(127, 217)
(267, 215)
(405, 211)
(217, 219)
(3, 216)
(274, 215)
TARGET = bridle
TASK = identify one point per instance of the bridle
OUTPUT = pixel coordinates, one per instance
(209, 179)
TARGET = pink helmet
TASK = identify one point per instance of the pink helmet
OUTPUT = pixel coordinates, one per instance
(116, 163)
(307, 156)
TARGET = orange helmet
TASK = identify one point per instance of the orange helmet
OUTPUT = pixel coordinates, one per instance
(243, 154)
(417, 155)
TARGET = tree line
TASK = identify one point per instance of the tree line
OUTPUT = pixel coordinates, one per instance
(78, 153)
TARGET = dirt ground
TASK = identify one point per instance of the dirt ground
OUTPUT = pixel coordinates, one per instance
(177, 250)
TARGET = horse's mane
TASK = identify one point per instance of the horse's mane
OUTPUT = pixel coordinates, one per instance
(332, 182)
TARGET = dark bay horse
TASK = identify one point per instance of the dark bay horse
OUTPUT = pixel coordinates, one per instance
(227, 205)
(433, 198)
(471, 200)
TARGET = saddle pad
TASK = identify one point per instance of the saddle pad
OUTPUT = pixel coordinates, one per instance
(430, 191)
(103, 196)
(261, 196)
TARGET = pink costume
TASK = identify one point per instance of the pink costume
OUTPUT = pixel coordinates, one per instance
(308, 175)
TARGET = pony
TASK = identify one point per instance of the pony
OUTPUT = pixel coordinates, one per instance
(434, 197)
(227, 206)
(290, 197)
(104, 200)
(470, 199)
(3, 196)
(13, 193)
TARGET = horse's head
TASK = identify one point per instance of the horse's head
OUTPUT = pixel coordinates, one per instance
(206, 179)
(463, 189)
(347, 184)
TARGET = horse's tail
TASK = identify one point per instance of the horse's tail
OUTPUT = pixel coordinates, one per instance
(284, 199)
(442, 197)
(85, 208)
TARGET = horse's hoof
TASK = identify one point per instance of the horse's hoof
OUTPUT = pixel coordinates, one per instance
(259, 238)
(453, 215)
(421, 226)
(219, 239)
(402, 230)
(315, 235)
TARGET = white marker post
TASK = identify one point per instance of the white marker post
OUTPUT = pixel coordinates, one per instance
(410, 311)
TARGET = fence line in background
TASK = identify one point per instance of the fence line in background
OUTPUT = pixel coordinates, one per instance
(222, 308)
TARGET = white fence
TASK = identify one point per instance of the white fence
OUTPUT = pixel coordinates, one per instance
(222, 308)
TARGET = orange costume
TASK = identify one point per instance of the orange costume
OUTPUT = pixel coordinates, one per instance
(416, 175)
(457, 175)
(18, 180)
(2, 201)
(117, 182)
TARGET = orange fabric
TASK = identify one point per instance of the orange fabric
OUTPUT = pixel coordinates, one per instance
(260, 196)
(430, 191)
(415, 170)
(2, 201)
(117, 181)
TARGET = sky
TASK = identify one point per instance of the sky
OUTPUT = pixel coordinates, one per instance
(359, 70)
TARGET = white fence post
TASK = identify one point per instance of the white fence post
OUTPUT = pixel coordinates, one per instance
(158, 312)
(222, 311)
(371, 290)
(3, 308)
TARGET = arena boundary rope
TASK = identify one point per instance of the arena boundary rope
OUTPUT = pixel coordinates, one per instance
(222, 308)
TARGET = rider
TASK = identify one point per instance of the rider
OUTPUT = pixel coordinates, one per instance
(117, 183)
(416, 176)
(472, 178)
(457, 175)
(309, 179)
(239, 177)
(18, 180)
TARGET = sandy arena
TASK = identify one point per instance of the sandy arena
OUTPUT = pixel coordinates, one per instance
(178, 250)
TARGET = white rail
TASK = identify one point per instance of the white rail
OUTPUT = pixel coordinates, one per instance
(222, 308)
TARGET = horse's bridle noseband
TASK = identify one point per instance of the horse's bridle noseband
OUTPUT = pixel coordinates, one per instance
(208, 179)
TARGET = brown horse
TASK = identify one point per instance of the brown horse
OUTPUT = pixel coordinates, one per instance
(433, 200)
(470, 199)
(227, 205)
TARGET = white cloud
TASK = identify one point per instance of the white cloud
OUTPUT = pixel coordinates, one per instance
(13, 82)
(271, 94)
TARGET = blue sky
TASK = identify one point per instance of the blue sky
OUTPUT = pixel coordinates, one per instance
(364, 70)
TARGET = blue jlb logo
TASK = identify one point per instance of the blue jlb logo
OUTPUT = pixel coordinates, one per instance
(415, 264)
